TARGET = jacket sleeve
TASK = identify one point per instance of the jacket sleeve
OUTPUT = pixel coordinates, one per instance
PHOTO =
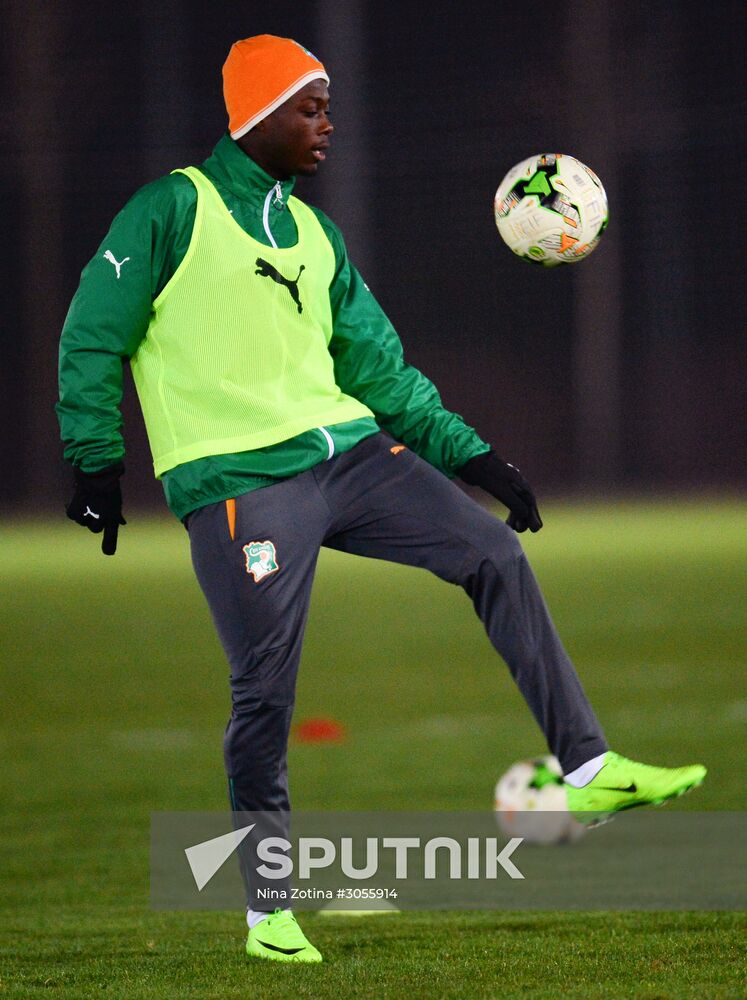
(109, 316)
(370, 366)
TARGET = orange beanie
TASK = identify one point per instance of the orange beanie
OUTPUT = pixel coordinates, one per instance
(260, 74)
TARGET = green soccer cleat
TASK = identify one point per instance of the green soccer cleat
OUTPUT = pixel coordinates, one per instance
(625, 784)
(279, 938)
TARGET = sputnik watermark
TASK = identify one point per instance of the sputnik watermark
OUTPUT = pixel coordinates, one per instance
(207, 858)
(476, 858)
(649, 860)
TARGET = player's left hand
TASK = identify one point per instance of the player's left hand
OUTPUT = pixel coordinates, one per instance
(506, 483)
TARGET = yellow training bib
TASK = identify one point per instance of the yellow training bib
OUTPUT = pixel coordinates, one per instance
(236, 356)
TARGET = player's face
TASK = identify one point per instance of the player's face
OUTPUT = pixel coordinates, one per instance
(294, 138)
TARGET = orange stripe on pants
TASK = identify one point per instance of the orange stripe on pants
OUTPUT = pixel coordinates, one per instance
(231, 515)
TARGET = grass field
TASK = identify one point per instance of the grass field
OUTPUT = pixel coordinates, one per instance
(115, 698)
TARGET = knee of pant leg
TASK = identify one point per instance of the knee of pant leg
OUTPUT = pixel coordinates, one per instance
(246, 694)
(497, 545)
(269, 678)
(507, 542)
(277, 676)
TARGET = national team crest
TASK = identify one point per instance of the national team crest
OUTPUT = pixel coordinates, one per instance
(261, 559)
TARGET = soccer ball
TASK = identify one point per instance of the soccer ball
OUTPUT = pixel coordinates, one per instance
(551, 209)
(530, 802)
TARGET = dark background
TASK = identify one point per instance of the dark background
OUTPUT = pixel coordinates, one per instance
(623, 372)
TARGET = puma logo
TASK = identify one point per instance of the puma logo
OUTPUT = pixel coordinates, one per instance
(268, 271)
(113, 260)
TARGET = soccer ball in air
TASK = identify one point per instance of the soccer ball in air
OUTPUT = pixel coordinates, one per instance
(551, 209)
(530, 802)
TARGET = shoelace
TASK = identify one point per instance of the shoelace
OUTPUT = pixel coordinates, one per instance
(284, 919)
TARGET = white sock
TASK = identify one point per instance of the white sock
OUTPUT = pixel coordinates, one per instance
(586, 773)
(254, 917)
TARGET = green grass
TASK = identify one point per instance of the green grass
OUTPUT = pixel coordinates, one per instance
(418, 955)
(115, 698)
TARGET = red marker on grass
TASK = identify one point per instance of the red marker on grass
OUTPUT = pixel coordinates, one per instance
(321, 730)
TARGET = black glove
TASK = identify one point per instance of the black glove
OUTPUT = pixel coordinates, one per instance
(506, 484)
(97, 504)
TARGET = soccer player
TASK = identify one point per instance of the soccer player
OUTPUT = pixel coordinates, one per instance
(282, 417)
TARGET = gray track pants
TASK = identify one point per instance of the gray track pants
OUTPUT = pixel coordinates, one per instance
(370, 501)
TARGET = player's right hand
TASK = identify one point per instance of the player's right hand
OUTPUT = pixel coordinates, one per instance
(97, 504)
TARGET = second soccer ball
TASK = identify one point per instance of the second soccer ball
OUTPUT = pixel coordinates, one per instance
(530, 802)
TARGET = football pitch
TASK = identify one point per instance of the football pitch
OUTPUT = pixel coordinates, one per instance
(115, 697)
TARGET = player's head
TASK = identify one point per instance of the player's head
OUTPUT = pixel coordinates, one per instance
(278, 103)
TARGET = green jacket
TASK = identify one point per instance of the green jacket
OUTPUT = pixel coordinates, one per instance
(111, 311)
